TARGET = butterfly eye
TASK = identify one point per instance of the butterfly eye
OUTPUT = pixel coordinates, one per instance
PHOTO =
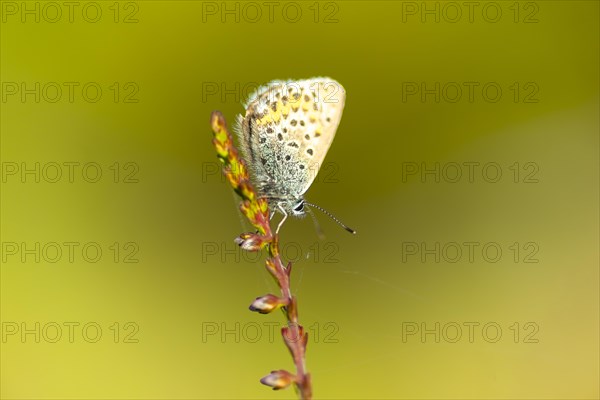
(299, 207)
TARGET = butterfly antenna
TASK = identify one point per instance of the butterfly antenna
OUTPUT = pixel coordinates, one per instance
(330, 215)
(317, 225)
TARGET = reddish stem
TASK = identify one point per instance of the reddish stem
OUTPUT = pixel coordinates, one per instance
(258, 214)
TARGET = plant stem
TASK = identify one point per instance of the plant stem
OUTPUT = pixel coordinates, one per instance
(257, 211)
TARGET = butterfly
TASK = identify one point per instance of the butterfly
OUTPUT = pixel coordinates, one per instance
(285, 135)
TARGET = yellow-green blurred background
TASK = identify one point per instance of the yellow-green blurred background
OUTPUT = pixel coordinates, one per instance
(187, 291)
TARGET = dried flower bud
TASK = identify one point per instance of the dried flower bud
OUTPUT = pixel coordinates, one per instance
(278, 379)
(250, 241)
(267, 303)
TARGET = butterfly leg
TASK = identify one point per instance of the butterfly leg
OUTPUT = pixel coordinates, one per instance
(285, 215)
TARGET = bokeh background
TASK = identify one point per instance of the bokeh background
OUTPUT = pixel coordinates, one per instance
(393, 312)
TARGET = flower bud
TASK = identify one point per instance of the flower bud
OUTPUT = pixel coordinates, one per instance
(249, 241)
(278, 379)
(267, 303)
